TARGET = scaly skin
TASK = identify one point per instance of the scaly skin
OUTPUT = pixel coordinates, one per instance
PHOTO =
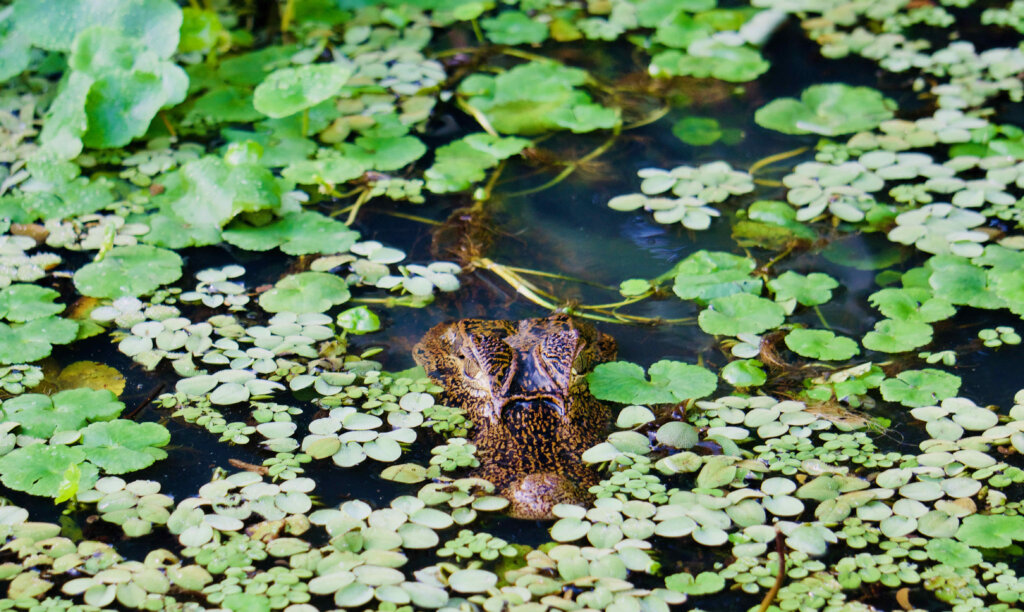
(521, 382)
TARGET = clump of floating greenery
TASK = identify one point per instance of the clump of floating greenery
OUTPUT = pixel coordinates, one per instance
(134, 130)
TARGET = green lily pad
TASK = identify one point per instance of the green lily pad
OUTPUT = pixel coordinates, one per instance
(34, 340)
(915, 388)
(514, 28)
(741, 313)
(744, 373)
(39, 469)
(22, 302)
(991, 531)
(952, 553)
(459, 164)
(122, 446)
(128, 271)
(42, 415)
(299, 233)
(810, 290)
(535, 97)
(897, 336)
(305, 292)
(359, 320)
(821, 344)
(827, 110)
(704, 275)
(670, 382)
(287, 91)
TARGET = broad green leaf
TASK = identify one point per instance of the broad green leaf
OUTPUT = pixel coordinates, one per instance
(122, 446)
(21, 302)
(810, 290)
(740, 313)
(991, 531)
(128, 271)
(42, 415)
(287, 91)
(204, 195)
(39, 469)
(359, 320)
(705, 275)
(915, 388)
(305, 292)
(514, 28)
(911, 304)
(744, 373)
(332, 170)
(385, 154)
(697, 131)
(201, 30)
(457, 165)
(827, 110)
(670, 382)
(299, 233)
(54, 24)
(34, 340)
(952, 553)
(709, 58)
(536, 97)
(897, 336)
(821, 344)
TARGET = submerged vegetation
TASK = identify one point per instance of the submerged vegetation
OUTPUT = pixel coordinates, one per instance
(208, 198)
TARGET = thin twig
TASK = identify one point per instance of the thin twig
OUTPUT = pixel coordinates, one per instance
(780, 548)
(149, 398)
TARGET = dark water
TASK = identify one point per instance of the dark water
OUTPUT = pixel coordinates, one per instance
(569, 230)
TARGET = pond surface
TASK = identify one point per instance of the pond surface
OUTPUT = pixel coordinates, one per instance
(800, 221)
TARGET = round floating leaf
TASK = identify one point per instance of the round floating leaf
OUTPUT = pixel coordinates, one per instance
(40, 415)
(697, 131)
(305, 292)
(821, 344)
(38, 469)
(472, 581)
(828, 110)
(671, 381)
(989, 531)
(514, 28)
(952, 553)
(896, 336)
(915, 388)
(124, 446)
(741, 313)
(744, 373)
(22, 302)
(810, 290)
(298, 233)
(359, 320)
(93, 375)
(287, 91)
(34, 340)
(704, 275)
(128, 271)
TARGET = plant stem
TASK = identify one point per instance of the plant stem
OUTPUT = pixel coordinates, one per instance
(573, 166)
(364, 197)
(821, 317)
(771, 159)
(287, 14)
(476, 114)
(780, 547)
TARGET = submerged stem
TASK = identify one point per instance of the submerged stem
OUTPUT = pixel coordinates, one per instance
(771, 159)
(780, 547)
(573, 166)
